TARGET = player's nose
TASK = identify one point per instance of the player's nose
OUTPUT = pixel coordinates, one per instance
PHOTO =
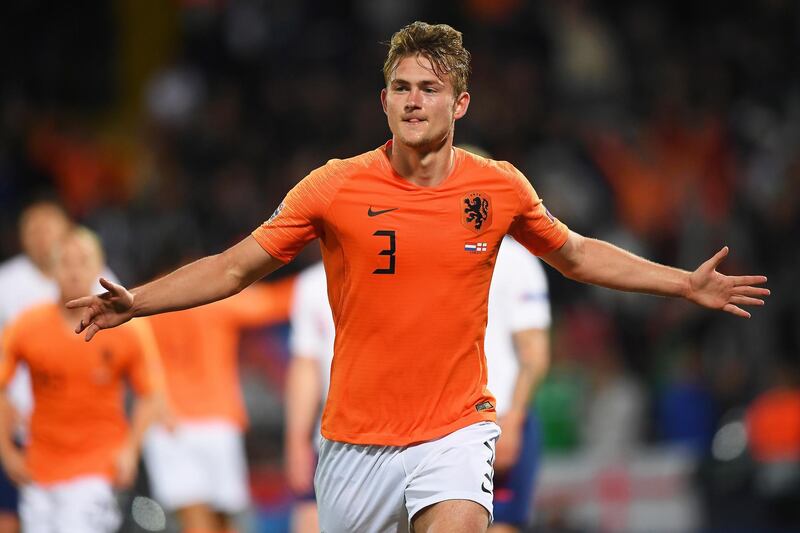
(413, 100)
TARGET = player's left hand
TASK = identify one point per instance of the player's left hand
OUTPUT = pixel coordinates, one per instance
(509, 444)
(709, 288)
(127, 461)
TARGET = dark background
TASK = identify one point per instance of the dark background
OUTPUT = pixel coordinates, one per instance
(669, 128)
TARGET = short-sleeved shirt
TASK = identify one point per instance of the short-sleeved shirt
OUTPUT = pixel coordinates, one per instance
(408, 271)
(518, 301)
(78, 421)
(22, 286)
(199, 350)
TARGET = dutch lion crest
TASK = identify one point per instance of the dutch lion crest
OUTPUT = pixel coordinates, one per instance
(477, 213)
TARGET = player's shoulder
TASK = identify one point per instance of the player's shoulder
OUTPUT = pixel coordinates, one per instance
(347, 167)
(36, 317)
(502, 169)
(131, 333)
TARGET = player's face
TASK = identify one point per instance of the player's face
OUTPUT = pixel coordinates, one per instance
(76, 267)
(421, 108)
(43, 226)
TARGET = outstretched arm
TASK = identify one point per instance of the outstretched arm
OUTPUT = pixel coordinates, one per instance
(601, 263)
(204, 281)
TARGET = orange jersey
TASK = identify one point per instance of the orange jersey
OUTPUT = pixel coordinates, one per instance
(78, 421)
(199, 349)
(408, 271)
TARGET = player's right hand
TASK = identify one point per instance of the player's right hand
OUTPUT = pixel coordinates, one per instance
(14, 465)
(102, 311)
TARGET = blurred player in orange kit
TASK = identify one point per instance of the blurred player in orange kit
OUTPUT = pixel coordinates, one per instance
(409, 234)
(80, 444)
(196, 461)
(26, 280)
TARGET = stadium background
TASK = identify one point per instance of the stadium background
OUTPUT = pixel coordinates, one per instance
(173, 128)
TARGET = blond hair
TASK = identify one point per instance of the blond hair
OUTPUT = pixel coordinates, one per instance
(441, 44)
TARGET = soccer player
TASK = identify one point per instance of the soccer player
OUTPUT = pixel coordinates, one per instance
(311, 344)
(80, 445)
(26, 280)
(409, 233)
(516, 352)
(196, 460)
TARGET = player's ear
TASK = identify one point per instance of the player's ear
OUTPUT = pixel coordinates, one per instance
(383, 100)
(461, 105)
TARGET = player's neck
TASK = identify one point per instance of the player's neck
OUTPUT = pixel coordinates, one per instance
(426, 167)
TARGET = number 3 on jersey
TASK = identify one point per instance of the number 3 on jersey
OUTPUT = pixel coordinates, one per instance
(388, 251)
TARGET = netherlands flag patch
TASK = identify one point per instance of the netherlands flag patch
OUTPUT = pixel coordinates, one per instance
(475, 247)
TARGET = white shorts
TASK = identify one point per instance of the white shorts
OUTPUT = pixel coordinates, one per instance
(77, 506)
(381, 488)
(198, 463)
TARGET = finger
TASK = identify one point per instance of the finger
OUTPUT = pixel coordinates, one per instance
(746, 300)
(84, 301)
(749, 280)
(718, 257)
(111, 287)
(92, 330)
(86, 319)
(732, 309)
(751, 291)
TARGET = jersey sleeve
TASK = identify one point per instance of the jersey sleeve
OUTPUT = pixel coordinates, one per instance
(533, 225)
(299, 218)
(528, 305)
(145, 372)
(309, 301)
(9, 354)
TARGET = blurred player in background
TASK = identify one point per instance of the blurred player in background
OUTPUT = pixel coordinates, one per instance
(80, 444)
(410, 232)
(26, 280)
(196, 459)
(311, 345)
(517, 353)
